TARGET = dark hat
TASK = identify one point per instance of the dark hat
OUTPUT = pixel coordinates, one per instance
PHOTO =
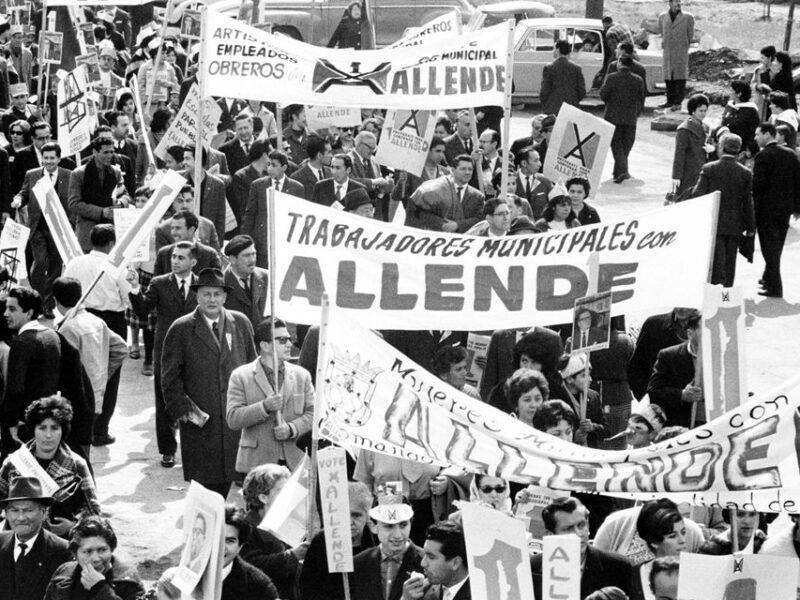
(521, 225)
(5, 276)
(355, 198)
(237, 244)
(210, 278)
(548, 122)
(26, 488)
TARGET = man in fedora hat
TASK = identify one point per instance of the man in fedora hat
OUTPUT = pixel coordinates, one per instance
(200, 352)
(29, 554)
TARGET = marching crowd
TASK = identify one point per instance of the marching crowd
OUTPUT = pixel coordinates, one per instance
(194, 314)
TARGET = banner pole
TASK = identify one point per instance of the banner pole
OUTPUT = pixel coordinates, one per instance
(159, 55)
(346, 582)
(312, 478)
(506, 134)
(73, 311)
(137, 100)
(198, 140)
(42, 63)
(279, 127)
(473, 125)
(734, 531)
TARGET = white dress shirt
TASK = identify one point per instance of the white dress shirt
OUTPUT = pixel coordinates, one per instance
(110, 293)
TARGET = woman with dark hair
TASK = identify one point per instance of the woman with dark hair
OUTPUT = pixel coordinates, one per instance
(783, 114)
(443, 128)
(747, 532)
(578, 189)
(450, 365)
(348, 32)
(558, 215)
(95, 573)
(126, 103)
(741, 116)
(49, 420)
(690, 147)
(162, 119)
(556, 418)
(782, 79)
(525, 391)
(19, 133)
(661, 526)
(760, 80)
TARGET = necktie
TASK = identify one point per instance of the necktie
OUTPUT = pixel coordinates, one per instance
(318, 174)
(468, 145)
(368, 166)
(276, 184)
(183, 289)
(459, 189)
(528, 187)
(247, 149)
(338, 192)
(53, 178)
(215, 330)
(584, 339)
(246, 285)
(22, 548)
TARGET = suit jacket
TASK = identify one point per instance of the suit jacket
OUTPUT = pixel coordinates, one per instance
(127, 148)
(776, 183)
(408, 183)
(596, 335)
(234, 155)
(325, 191)
(251, 306)
(206, 234)
(38, 565)
(540, 191)
(239, 190)
(87, 215)
(32, 177)
(453, 146)
(735, 184)
(24, 67)
(212, 201)
(364, 176)
(436, 200)
(366, 582)
(306, 177)
(562, 81)
(637, 68)
(602, 569)
(436, 592)
(207, 257)
(657, 332)
(24, 161)
(245, 582)
(673, 370)
(125, 165)
(254, 222)
(624, 93)
(196, 367)
(247, 388)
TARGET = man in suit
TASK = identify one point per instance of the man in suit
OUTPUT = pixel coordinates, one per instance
(201, 350)
(206, 233)
(21, 57)
(120, 124)
(248, 283)
(449, 203)
(47, 263)
(407, 183)
(119, 160)
(271, 415)
(461, 141)
(31, 157)
(380, 573)
(600, 569)
(183, 228)
(212, 191)
(531, 140)
(171, 296)
(335, 188)
(317, 167)
(368, 172)
(735, 185)
(296, 133)
(637, 68)
(237, 151)
(530, 184)
(562, 81)
(242, 181)
(672, 384)
(445, 574)
(19, 109)
(585, 333)
(254, 222)
(29, 554)
(624, 94)
(490, 161)
(776, 197)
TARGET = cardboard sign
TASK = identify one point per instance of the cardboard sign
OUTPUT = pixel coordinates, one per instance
(477, 347)
(124, 218)
(405, 139)
(55, 216)
(286, 517)
(183, 130)
(332, 467)
(561, 567)
(51, 45)
(90, 63)
(322, 117)
(13, 241)
(591, 323)
(737, 577)
(77, 114)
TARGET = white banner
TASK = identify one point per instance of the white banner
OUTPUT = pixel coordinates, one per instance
(372, 397)
(27, 466)
(76, 113)
(13, 241)
(242, 61)
(737, 577)
(94, 3)
(497, 554)
(323, 117)
(332, 467)
(444, 26)
(578, 146)
(405, 139)
(561, 567)
(183, 130)
(392, 277)
(57, 221)
(124, 218)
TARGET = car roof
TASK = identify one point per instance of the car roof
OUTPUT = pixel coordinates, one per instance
(562, 22)
(513, 6)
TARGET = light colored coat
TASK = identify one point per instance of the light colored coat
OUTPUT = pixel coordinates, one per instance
(676, 36)
(247, 388)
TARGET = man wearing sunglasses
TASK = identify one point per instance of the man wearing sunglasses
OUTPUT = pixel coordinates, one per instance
(271, 414)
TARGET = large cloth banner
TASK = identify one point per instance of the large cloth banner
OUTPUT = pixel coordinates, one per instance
(94, 3)
(245, 62)
(372, 397)
(77, 114)
(578, 146)
(441, 27)
(392, 277)
(183, 131)
(405, 139)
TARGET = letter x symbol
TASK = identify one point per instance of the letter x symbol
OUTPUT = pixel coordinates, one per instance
(578, 150)
(339, 77)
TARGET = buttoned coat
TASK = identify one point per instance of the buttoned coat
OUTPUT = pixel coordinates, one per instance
(436, 200)
(676, 36)
(251, 306)
(39, 563)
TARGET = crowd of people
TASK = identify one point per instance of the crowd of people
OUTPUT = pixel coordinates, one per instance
(235, 391)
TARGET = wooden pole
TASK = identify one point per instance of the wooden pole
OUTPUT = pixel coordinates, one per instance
(159, 55)
(734, 531)
(346, 583)
(313, 475)
(42, 63)
(138, 102)
(72, 311)
(789, 24)
(198, 142)
(504, 138)
(279, 127)
(473, 124)
(594, 281)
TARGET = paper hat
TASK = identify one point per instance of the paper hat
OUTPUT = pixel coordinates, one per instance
(652, 413)
(108, 50)
(105, 15)
(391, 513)
(558, 190)
(154, 43)
(18, 89)
(576, 364)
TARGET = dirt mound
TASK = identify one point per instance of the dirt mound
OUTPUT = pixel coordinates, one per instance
(715, 65)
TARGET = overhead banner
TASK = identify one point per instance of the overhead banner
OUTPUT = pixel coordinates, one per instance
(405, 139)
(95, 3)
(77, 114)
(183, 130)
(372, 397)
(387, 276)
(245, 62)
(578, 146)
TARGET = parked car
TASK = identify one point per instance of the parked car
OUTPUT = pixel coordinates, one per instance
(499, 12)
(534, 43)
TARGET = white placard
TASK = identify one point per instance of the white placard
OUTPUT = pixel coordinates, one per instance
(332, 467)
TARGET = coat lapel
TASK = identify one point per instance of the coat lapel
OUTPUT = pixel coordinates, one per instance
(203, 332)
(261, 378)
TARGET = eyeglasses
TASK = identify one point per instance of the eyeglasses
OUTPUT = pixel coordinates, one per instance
(283, 339)
(17, 132)
(488, 489)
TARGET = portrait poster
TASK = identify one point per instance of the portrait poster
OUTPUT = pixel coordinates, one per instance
(190, 25)
(86, 33)
(51, 45)
(591, 323)
(92, 67)
(477, 348)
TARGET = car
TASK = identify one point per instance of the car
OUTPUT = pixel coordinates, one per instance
(534, 44)
(499, 12)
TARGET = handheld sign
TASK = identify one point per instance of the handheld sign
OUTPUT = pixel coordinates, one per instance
(736, 577)
(561, 567)
(332, 467)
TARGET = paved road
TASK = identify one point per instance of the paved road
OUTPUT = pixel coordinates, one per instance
(145, 499)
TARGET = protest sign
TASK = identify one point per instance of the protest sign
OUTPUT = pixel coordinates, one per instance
(131, 241)
(578, 146)
(536, 498)
(76, 113)
(322, 117)
(477, 348)
(332, 467)
(370, 396)
(591, 323)
(57, 221)
(497, 554)
(466, 70)
(200, 570)
(51, 45)
(124, 218)
(722, 347)
(190, 24)
(13, 241)
(736, 577)
(561, 567)
(405, 139)
(286, 516)
(91, 65)
(86, 37)
(183, 130)
(441, 27)
(27, 466)
(391, 277)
